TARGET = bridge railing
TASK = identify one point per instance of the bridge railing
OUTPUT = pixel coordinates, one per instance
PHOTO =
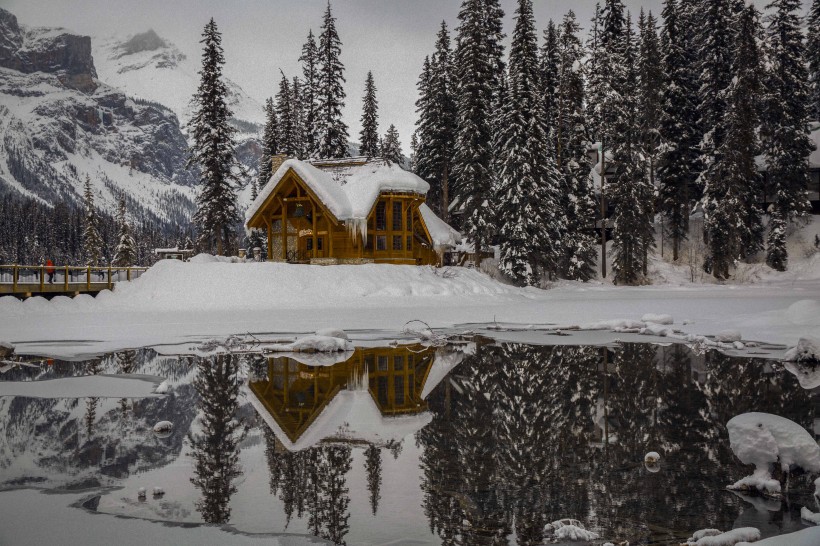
(29, 278)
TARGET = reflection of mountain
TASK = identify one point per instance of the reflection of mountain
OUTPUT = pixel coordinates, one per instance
(373, 397)
(71, 443)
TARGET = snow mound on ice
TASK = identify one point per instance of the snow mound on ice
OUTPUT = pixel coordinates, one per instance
(657, 319)
(763, 439)
(713, 537)
(806, 350)
(809, 516)
(570, 529)
(163, 426)
(728, 336)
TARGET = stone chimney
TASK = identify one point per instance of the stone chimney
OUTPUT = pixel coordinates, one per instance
(276, 162)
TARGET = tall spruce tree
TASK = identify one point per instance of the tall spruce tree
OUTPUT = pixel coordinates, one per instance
(714, 66)
(785, 128)
(331, 130)
(284, 115)
(414, 148)
(437, 111)
(679, 158)
(732, 218)
(629, 194)
(813, 59)
(212, 149)
(298, 124)
(310, 76)
(579, 242)
(92, 241)
(550, 82)
(477, 60)
(369, 136)
(270, 146)
(126, 251)
(528, 198)
(650, 99)
(391, 147)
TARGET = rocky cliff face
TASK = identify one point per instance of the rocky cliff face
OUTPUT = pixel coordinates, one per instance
(54, 51)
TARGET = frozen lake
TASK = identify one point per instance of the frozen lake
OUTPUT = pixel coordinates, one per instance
(474, 443)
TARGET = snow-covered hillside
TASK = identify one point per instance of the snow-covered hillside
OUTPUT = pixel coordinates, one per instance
(152, 68)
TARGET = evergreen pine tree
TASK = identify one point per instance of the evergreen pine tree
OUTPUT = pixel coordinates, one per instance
(629, 194)
(213, 149)
(437, 112)
(679, 158)
(732, 219)
(414, 148)
(391, 147)
(298, 115)
(785, 128)
(528, 197)
(579, 250)
(476, 72)
(92, 241)
(650, 99)
(550, 82)
(126, 252)
(310, 76)
(715, 74)
(331, 130)
(369, 137)
(595, 76)
(813, 58)
(270, 146)
(284, 116)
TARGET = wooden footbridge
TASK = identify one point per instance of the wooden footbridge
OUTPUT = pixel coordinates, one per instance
(24, 281)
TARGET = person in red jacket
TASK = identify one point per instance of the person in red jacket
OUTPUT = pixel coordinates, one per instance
(50, 271)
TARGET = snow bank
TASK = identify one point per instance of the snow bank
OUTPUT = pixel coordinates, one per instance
(100, 386)
(313, 344)
(707, 537)
(570, 529)
(728, 336)
(763, 439)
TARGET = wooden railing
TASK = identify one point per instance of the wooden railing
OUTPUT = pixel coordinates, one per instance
(26, 279)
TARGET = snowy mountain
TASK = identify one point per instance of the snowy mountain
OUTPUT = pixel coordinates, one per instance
(59, 124)
(152, 68)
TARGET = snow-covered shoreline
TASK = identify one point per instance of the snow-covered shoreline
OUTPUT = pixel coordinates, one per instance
(176, 301)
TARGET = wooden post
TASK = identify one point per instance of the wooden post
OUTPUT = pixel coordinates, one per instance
(88, 278)
(284, 232)
(109, 276)
(269, 226)
(329, 237)
(15, 275)
(65, 279)
(128, 274)
(42, 277)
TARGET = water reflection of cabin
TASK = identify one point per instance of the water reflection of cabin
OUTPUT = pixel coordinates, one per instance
(353, 210)
(375, 388)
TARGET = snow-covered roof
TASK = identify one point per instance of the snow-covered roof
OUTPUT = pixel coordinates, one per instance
(440, 232)
(347, 187)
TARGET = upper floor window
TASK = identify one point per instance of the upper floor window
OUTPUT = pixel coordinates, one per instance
(397, 206)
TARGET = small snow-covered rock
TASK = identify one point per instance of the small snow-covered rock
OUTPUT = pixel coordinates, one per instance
(729, 538)
(158, 491)
(807, 351)
(163, 427)
(162, 388)
(651, 457)
(141, 493)
(570, 529)
(657, 319)
(333, 332)
(728, 336)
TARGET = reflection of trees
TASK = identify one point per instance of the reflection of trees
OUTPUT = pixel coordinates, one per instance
(93, 367)
(216, 448)
(373, 468)
(126, 363)
(517, 439)
(313, 481)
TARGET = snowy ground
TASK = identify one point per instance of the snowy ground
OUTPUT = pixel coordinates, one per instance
(179, 302)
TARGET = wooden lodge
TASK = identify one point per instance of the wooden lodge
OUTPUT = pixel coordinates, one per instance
(374, 396)
(352, 210)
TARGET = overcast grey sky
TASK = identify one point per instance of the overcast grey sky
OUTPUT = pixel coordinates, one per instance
(389, 37)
